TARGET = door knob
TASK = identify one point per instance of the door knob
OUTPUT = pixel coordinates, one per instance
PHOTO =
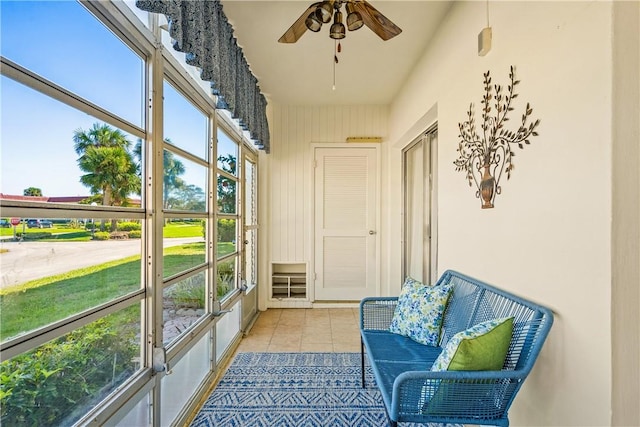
(371, 232)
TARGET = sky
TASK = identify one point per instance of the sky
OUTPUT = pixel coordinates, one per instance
(64, 43)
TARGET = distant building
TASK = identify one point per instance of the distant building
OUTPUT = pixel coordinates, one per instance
(56, 199)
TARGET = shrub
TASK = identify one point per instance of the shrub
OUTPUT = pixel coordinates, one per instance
(46, 385)
(101, 235)
(75, 223)
(135, 234)
(226, 230)
(129, 226)
(188, 293)
(225, 278)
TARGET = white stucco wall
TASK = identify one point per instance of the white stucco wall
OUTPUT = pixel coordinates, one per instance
(549, 236)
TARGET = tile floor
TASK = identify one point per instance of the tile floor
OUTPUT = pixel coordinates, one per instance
(304, 330)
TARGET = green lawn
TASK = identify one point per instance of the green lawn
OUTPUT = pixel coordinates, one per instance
(63, 232)
(180, 229)
(40, 302)
(55, 230)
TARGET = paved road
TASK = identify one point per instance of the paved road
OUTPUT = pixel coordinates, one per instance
(26, 261)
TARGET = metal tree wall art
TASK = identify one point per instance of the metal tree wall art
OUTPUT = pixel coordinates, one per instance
(485, 156)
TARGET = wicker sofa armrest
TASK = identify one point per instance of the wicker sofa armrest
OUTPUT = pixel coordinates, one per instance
(464, 397)
(376, 312)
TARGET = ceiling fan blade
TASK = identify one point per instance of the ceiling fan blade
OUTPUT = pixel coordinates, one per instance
(298, 28)
(376, 21)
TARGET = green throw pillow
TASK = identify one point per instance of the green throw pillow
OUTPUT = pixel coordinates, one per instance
(482, 347)
(420, 311)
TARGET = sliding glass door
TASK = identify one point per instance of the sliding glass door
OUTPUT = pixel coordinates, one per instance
(419, 255)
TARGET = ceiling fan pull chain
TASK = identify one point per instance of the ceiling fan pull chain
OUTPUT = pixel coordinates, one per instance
(339, 47)
(335, 61)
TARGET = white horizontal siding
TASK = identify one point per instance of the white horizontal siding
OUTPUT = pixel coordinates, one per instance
(293, 130)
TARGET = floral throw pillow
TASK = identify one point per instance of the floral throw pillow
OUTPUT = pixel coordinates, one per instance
(420, 311)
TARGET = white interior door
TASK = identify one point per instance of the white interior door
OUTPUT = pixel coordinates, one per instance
(346, 238)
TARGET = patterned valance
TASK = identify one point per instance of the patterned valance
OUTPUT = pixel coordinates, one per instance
(201, 30)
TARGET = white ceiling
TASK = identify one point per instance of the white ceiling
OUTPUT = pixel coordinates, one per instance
(370, 70)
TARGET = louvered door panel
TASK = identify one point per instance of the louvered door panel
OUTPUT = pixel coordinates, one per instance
(345, 223)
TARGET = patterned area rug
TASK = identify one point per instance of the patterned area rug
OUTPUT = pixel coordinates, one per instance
(294, 389)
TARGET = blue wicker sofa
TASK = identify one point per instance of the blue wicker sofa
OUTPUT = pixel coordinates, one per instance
(412, 392)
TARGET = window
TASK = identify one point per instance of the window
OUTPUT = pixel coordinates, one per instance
(184, 188)
(70, 156)
(227, 201)
(112, 262)
(183, 183)
(66, 377)
(111, 76)
(71, 300)
(184, 125)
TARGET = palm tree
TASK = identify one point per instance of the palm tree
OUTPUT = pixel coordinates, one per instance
(100, 135)
(104, 169)
(172, 169)
(109, 167)
(226, 186)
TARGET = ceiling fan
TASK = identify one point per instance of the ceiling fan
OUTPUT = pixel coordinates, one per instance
(359, 12)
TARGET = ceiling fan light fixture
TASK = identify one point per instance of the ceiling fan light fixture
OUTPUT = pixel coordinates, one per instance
(358, 13)
(337, 30)
(324, 12)
(354, 19)
(312, 23)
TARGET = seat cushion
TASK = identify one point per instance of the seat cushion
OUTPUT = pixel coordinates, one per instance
(391, 355)
(420, 311)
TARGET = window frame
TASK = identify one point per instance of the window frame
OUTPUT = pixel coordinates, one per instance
(156, 357)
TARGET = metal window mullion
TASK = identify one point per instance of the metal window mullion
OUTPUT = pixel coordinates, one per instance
(230, 176)
(155, 220)
(222, 215)
(48, 88)
(181, 214)
(186, 154)
(61, 210)
(146, 267)
(211, 235)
